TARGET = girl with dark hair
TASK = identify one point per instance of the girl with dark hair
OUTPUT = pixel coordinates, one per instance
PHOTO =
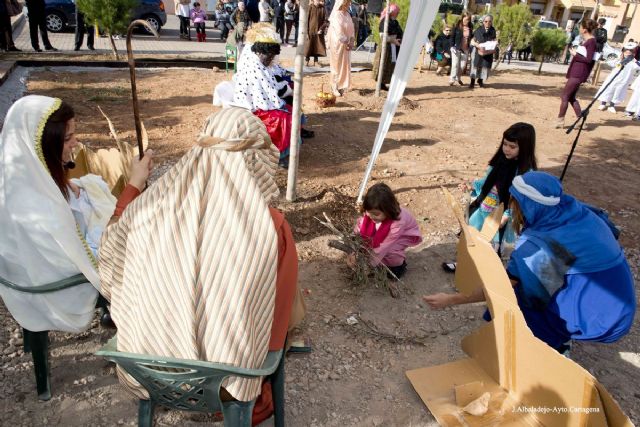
(51, 225)
(58, 139)
(515, 156)
(584, 58)
(569, 274)
(387, 228)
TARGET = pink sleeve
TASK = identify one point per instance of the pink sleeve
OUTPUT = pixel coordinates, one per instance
(404, 233)
(395, 233)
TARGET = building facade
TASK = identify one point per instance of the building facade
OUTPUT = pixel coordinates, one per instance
(623, 16)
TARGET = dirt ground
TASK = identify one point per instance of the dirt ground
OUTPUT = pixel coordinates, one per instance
(442, 136)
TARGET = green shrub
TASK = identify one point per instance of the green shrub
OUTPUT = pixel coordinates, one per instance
(547, 42)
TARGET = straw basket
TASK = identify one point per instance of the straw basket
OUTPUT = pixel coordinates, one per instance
(325, 99)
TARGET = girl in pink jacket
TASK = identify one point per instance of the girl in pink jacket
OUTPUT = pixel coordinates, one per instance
(387, 228)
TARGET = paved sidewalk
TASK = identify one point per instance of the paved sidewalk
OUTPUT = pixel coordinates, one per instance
(169, 44)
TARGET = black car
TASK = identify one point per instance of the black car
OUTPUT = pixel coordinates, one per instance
(61, 14)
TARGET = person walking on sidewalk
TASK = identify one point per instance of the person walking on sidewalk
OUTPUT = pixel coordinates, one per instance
(289, 17)
(183, 13)
(81, 28)
(6, 35)
(37, 22)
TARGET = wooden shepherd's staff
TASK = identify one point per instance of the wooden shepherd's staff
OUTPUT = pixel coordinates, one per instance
(132, 74)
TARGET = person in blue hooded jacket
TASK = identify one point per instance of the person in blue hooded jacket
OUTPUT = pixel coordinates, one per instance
(570, 275)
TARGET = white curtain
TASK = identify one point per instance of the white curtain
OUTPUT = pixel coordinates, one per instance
(421, 16)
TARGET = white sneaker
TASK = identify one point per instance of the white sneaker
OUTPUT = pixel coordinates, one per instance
(612, 109)
(602, 107)
(628, 114)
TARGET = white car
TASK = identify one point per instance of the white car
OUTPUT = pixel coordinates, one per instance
(610, 54)
(547, 25)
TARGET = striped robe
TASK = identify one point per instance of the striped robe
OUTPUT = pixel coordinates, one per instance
(190, 268)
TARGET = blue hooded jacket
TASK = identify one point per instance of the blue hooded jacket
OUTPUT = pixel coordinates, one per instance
(573, 277)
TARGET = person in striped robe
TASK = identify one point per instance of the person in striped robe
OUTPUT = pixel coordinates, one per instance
(199, 266)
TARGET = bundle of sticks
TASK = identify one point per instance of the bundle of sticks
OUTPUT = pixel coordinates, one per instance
(360, 254)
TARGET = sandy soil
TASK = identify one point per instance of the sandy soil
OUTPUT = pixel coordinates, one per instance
(442, 136)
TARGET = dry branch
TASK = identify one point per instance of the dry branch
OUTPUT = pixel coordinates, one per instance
(362, 272)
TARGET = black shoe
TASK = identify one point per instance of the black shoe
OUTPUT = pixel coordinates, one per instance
(37, 49)
(107, 322)
(284, 163)
(51, 48)
(307, 133)
(384, 87)
(480, 83)
(14, 49)
(472, 84)
(77, 48)
(449, 267)
(91, 48)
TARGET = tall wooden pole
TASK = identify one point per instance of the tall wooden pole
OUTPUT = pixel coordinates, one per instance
(383, 51)
(132, 75)
(297, 101)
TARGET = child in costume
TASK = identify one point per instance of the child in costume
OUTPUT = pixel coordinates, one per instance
(616, 92)
(515, 156)
(387, 228)
(633, 106)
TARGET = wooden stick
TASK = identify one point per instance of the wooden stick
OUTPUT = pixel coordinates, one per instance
(132, 74)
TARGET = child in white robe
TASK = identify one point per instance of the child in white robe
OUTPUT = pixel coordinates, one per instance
(633, 106)
(616, 92)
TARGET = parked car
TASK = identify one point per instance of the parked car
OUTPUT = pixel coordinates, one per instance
(61, 14)
(609, 53)
(547, 25)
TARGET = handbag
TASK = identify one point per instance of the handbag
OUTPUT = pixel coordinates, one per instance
(13, 7)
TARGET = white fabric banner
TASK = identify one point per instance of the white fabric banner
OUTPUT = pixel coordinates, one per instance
(421, 15)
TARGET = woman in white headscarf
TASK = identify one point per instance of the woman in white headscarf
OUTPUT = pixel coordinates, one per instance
(199, 266)
(51, 226)
(340, 39)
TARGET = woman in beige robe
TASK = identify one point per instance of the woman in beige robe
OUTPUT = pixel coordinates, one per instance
(340, 39)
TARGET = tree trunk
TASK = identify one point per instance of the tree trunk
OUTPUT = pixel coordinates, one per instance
(113, 46)
(541, 62)
(499, 61)
(383, 51)
(297, 100)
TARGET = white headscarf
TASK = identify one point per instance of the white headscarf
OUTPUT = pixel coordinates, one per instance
(40, 243)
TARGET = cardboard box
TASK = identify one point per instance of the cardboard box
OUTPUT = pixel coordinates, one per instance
(530, 383)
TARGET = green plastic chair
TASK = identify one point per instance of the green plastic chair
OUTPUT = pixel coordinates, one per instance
(231, 57)
(194, 385)
(37, 343)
